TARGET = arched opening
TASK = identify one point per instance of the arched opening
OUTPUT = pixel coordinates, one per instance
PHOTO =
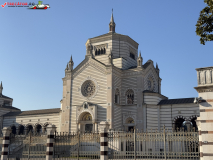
(99, 51)
(21, 130)
(45, 128)
(104, 51)
(96, 52)
(194, 125)
(179, 124)
(13, 129)
(86, 124)
(117, 96)
(130, 123)
(29, 129)
(38, 128)
(130, 96)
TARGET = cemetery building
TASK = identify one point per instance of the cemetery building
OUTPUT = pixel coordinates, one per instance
(113, 84)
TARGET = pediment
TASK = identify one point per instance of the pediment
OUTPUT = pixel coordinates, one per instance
(89, 62)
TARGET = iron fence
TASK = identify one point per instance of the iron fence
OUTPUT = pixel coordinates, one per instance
(32, 145)
(77, 146)
(162, 144)
(152, 144)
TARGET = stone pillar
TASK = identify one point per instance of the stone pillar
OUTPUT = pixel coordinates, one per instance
(205, 102)
(5, 143)
(104, 126)
(96, 127)
(188, 125)
(50, 140)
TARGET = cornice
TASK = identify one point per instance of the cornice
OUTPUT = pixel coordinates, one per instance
(204, 68)
(206, 88)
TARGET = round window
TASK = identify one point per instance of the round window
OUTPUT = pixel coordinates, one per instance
(88, 88)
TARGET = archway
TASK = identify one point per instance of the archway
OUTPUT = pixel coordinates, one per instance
(38, 128)
(85, 122)
(21, 130)
(194, 125)
(45, 128)
(13, 129)
(130, 124)
(29, 129)
(179, 124)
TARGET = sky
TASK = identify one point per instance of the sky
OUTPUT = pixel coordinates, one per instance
(37, 44)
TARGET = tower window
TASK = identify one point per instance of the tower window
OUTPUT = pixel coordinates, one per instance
(100, 51)
(132, 55)
(130, 96)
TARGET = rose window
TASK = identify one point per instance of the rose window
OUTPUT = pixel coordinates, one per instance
(88, 88)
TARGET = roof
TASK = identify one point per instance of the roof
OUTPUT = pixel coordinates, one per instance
(9, 107)
(148, 91)
(144, 66)
(177, 101)
(3, 96)
(33, 112)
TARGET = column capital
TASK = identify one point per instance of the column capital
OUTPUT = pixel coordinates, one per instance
(6, 131)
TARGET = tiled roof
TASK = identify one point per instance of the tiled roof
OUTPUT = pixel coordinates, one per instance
(3, 96)
(176, 101)
(33, 112)
(9, 107)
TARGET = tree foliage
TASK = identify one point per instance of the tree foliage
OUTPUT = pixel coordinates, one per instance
(204, 24)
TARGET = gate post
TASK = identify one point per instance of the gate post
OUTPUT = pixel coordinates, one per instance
(50, 140)
(104, 126)
(5, 143)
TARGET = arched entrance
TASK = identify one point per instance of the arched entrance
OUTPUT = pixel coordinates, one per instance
(86, 124)
(29, 129)
(194, 125)
(180, 124)
(13, 129)
(38, 128)
(129, 124)
(21, 130)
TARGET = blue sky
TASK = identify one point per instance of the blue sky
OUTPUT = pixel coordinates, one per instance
(37, 44)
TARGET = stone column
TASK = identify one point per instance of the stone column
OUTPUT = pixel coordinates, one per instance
(50, 140)
(96, 127)
(104, 126)
(5, 143)
(188, 125)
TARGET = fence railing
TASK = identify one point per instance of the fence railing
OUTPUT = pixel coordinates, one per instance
(152, 144)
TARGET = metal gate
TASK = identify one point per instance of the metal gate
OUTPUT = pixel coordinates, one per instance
(77, 146)
(28, 146)
(162, 144)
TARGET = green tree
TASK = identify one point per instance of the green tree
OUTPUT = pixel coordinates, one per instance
(204, 24)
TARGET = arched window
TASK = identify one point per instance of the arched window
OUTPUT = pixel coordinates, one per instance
(104, 51)
(99, 52)
(21, 130)
(38, 128)
(29, 128)
(13, 129)
(96, 52)
(117, 96)
(130, 96)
